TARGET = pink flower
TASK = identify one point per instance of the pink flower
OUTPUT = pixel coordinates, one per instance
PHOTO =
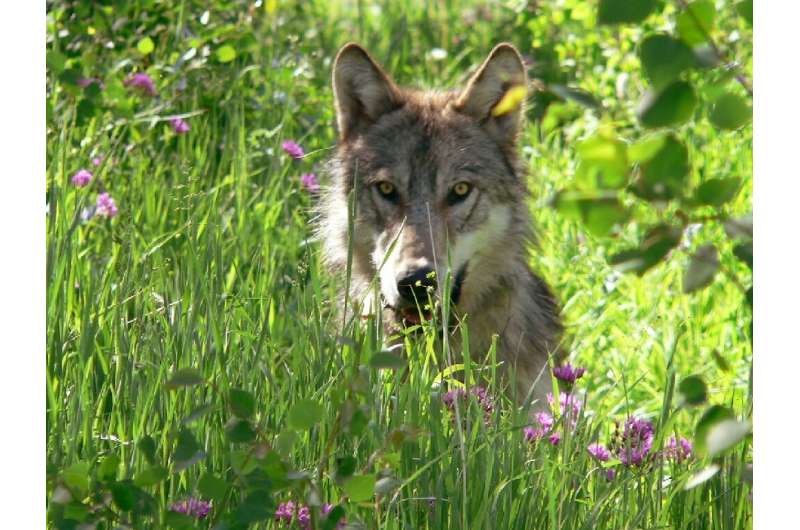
(326, 509)
(293, 149)
(106, 206)
(599, 452)
(192, 507)
(142, 82)
(568, 373)
(310, 182)
(96, 161)
(83, 82)
(179, 125)
(678, 450)
(81, 178)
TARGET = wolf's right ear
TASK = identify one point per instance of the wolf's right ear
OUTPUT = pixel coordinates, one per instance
(362, 90)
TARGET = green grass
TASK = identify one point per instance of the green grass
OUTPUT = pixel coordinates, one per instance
(211, 265)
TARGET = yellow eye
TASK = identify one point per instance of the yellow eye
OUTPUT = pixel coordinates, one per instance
(461, 189)
(386, 188)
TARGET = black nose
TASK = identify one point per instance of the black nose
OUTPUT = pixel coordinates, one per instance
(414, 285)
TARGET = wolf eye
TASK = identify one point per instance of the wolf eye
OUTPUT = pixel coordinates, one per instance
(459, 192)
(387, 190)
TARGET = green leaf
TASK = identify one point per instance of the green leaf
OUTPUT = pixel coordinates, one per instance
(664, 58)
(212, 487)
(147, 446)
(744, 251)
(695, 23)
(305, 414)
(178, 521)
(150, 476)
(345, 467)
(331, 520)
(701, 476)
(646, 148)
(745, 10)
(387, 360)
(123, 495)
(599, 214)
(714, 415)
(108, 468)
(672, 106)
(658, 242)
(240, 431)
(730, 111)
(693, 390)
(718, 191)
(76, 478)
(183, 378)
(187, 452)
(577, 95)
(226, 53)
(258, 506)
(242, 403)
(360, 487)
(386, 485)
(145, 46)
(624, 11)
(85, 111)
(725, 434)
(198, 413)
(703, 265)
(55, 61)
(604, 162)
(663, 176)
(285, 441)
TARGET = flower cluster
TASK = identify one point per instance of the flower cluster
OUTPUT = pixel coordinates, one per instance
(678, 449)
(309, 181)
(179, 125)
(632, 445)
(289, 511)
(568, 373)
(143, 83)
(293, 149)
(481, 395)
(192, 507)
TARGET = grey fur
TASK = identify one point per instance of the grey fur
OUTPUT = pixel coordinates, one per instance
(423, 143)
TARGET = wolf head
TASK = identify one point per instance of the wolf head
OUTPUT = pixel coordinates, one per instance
(432, 182)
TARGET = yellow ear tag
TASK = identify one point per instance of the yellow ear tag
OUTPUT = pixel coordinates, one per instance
(510, 101)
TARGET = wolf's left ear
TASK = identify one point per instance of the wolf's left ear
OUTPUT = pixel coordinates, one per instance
(495, 95)
(362, 90)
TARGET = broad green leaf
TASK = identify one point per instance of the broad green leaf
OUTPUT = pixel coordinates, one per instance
(187, 451)
(663, 176)
(646, 148)
(242, 403)
(624, 11)
(150, 476)
(145, 46)
(212, 487)
(331, 521)
(703, 265)
(198, 413)
(712, 416)
(604, 162)
(669, 107)
(107, 471)
(345, 467)
(147, 446)
(692, 390)
(658, 242)
(730, 111)
(387, 360)
(695, 23)
(183, 378)
(226, 53)
(178, 521)
(76, 478)
(257, 506)
(360, 487)
(725, 434)
(744, 251)
(55, 61)
(664, 58)
(701, 476)
(240, 431)
(85, 111)
(123, 495)
(599, 214)
(718, 191)
(305, 414)
(745, 10)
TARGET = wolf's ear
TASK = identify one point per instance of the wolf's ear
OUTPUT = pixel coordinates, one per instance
(362, 90)
(495, 95)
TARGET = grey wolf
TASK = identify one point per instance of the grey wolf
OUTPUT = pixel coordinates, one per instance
(434, 187)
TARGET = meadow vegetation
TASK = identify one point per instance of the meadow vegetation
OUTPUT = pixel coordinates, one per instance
(199, 373)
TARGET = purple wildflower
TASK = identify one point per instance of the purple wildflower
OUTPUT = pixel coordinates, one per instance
(633, 445)
(568, 404)
(568, 373)
(481, 395)
(545, 421)
(293, 149)
(106, 206)
(599, 452)
(304, 517)
(142, 82)
(81, 178)
(179, 125)
(310, 182)
(96, 161)
(554, 438)
(611, 474)
(192, 507)
(285, 512)
(678, 450)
